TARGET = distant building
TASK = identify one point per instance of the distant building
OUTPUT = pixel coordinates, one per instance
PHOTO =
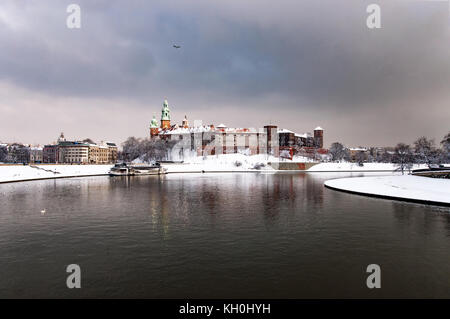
(359, 153)
(36, 155)
(105, 153)
(112, 152)
(50, 154)
(318, 137)
(73, 152)
(211, 140)
(79, 152)
(185, 123)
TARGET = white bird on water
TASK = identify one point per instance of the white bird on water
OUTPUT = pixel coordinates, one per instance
(43, 211)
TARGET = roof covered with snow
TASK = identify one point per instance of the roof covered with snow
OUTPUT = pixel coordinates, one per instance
(283, 130)
(361, 149)
(304, 135)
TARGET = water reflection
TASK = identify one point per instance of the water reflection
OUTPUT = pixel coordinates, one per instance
(217, 235)
(421, 218)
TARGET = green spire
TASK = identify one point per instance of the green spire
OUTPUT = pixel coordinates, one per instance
(154, 123)
(165, 112)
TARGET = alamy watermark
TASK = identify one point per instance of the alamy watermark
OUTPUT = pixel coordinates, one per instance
(374, 279)
(373, 21)
(73, 21)
(74, 279)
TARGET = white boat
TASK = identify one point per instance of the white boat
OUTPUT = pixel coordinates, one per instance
(123, 169)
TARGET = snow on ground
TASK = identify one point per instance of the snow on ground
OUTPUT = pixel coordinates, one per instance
(221, 163)
(226, 162)
(192, 164)
(9, 173)
(403, 187)
(354, 167)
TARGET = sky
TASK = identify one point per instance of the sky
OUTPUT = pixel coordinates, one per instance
(297, 64)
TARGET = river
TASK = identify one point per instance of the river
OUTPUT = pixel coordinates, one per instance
(230, 235)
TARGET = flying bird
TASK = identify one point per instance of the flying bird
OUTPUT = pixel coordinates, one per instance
(176, 46)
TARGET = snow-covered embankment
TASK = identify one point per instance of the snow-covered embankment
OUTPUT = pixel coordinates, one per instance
(221, 163)
(13, 173)
(401, 187)
(355, 167)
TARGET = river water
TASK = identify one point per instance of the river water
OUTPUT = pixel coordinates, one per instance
(240, 235)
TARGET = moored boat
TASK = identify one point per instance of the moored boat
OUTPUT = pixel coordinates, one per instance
(123, 169)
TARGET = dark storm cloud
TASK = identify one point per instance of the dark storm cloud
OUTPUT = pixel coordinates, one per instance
(317, 55)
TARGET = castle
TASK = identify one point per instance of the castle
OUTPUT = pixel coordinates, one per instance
(212, 140)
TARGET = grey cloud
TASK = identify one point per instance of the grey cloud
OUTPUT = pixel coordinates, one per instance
(317, 55)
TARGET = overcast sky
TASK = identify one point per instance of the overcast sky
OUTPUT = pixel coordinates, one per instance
(297, 64)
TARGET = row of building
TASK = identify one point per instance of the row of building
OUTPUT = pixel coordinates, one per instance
(79, 152)
(61, 152)
(211, 140)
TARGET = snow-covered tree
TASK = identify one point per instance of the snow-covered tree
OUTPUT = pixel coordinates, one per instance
(360, 157)
(446, 147)
(372, 155)
(403, 157)
(146, 150)
(386, 157)
(3, 153)
(18, 153)
(337, 151)
(156, 149)
(131, 149)
(424, 149)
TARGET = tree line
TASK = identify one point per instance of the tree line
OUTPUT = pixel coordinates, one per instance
(423, 151)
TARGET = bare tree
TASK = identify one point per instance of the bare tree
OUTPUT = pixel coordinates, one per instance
(372, 155)
(385, 157)
(146, 149)
(403, 157)
(360, 157)
(424, 150)
(337, 151)
(3, 153)
(446, 147)
(156, 149)
(131, 149)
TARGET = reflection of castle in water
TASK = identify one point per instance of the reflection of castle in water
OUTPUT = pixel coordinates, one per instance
(272, 195)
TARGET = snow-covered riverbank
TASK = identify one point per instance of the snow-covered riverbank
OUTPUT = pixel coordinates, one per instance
(245, 163)
(354, 167)
(12, 173)
(222, 163)
(402, 187)
(219, 163)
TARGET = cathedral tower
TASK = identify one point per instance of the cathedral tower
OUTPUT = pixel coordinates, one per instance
(154, 127)
(165, 116)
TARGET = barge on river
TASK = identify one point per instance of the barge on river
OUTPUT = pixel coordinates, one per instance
(124, 169)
